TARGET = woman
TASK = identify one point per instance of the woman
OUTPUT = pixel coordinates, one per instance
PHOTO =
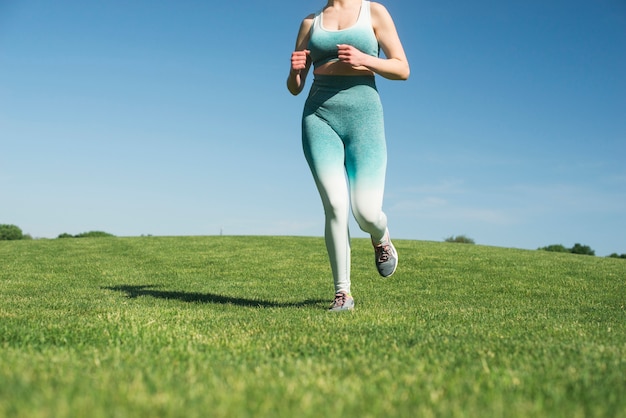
(342, 125)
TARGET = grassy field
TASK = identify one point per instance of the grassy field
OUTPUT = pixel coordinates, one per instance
(237, 327)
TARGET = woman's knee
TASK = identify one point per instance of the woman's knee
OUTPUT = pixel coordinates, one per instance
(370, 220)
(336, 207)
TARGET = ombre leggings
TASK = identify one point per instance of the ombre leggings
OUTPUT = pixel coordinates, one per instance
(343, 138)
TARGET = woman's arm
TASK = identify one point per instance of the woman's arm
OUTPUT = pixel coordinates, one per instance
(300, 60)
(396, 65)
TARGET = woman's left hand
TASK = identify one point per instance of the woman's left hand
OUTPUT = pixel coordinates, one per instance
(351, 55)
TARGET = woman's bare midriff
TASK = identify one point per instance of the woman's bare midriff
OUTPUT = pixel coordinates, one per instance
(341, 68)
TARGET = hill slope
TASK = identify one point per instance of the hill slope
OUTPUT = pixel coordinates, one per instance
(237, 326)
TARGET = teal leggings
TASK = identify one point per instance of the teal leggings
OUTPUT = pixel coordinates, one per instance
(343, 138)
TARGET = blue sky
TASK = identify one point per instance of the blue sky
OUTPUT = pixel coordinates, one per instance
(172, 118)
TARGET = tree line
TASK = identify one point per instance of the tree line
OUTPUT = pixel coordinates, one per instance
(13, 232)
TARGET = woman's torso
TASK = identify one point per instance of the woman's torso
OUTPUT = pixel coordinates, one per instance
(326, 34)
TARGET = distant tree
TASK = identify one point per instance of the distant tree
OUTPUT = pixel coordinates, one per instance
(10, 233)
(615, 255)
(582, 249)
(94, 234)
(90, 234)
(461, 239)
(576, 249)
(557, 248)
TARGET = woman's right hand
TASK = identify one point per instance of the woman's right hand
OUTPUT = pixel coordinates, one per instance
(299, 60)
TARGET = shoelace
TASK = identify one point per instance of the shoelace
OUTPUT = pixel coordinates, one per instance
(340, 299)
(383, 253)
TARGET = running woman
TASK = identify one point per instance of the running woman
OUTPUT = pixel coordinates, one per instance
(343, 134)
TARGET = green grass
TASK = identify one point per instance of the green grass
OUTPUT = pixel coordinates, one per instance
(237, 327)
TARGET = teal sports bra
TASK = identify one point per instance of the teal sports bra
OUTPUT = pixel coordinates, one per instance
(323, 42)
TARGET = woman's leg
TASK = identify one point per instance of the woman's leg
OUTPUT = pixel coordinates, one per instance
(366, 164)
(324, 152)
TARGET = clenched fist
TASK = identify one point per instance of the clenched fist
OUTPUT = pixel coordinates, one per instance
(351, 55)
(299, 60)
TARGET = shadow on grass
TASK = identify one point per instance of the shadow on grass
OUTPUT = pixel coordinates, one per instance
(133, 292)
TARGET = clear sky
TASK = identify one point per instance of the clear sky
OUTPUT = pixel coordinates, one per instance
(172, 118)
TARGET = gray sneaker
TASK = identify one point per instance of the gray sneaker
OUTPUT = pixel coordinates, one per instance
(342, 302)
(386, 258)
